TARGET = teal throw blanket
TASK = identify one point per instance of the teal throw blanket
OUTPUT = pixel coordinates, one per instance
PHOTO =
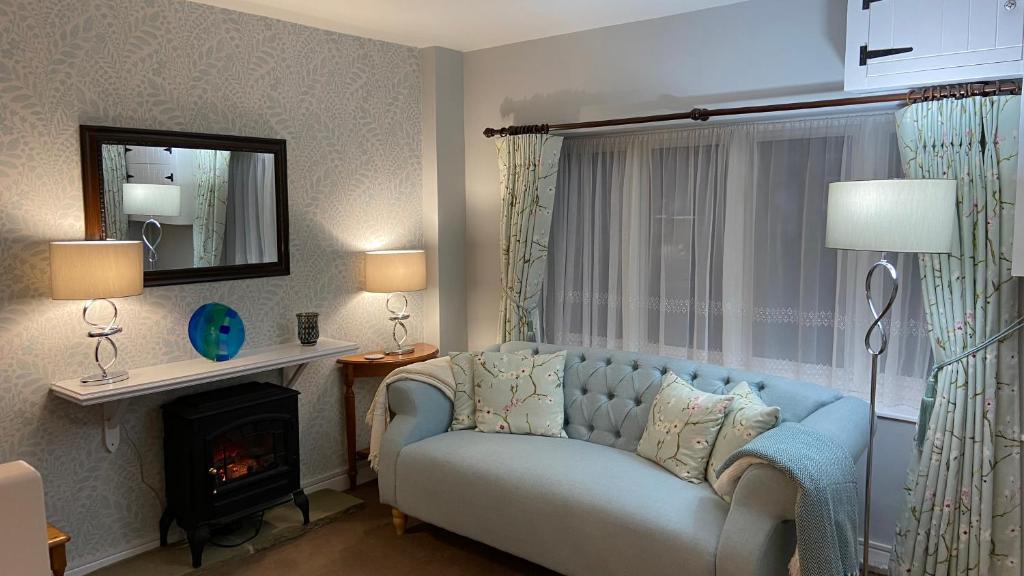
(827, 501)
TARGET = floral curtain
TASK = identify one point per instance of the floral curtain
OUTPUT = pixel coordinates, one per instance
(211, 172)
(528, 166)
(115, 174)
(964, 493)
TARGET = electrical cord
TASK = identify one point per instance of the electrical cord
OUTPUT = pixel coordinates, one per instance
(142, 471)
(160, 500)
(259, 527)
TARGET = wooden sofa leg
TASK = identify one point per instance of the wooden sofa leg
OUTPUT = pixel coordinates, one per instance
(398, 518)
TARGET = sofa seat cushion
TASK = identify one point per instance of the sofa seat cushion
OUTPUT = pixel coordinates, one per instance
(574, 506)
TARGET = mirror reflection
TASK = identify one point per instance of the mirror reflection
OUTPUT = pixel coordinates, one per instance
(192, 208)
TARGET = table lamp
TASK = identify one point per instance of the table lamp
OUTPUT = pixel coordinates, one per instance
(95, 271)
(887, 216)
(151, 200)
(396, 272)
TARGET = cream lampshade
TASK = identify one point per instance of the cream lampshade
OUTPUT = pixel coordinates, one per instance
(397, 271)
(87, 270)
(96, 271)
(891, 215)
(151, 200)
(888, 216)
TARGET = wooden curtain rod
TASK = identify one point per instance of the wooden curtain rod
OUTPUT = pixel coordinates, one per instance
(994, 88)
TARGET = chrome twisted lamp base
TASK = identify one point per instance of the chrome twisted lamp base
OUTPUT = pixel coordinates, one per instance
(151, 243)
(102, 333)
(875, 352)
(398, 317)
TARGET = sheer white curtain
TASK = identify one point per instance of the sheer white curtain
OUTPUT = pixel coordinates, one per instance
(250, 219)
(708, 243)
(637, 225)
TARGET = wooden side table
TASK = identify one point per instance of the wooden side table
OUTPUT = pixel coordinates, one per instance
(58, 553)
(357, 366)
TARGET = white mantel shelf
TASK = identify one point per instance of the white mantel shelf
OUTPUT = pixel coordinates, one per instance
(163, 377)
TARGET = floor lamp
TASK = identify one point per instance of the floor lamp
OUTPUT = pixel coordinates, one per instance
(887, 216)
(151, 200)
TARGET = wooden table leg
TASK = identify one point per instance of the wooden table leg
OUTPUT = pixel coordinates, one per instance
(350, 424)
(58, 560)
(57, 541)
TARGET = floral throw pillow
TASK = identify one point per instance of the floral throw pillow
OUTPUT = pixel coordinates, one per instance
(516, 393)
(464, 413)
(682, 427)
(747, 418)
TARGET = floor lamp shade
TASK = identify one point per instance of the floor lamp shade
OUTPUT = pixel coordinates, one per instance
(152, 199)
(396, 271)
(892, 215)
(88, 270)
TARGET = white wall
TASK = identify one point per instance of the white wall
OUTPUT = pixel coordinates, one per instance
(755, 50)
(444, 198)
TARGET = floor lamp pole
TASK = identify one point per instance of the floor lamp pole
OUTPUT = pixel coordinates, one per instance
(875, 352)
(151, 240)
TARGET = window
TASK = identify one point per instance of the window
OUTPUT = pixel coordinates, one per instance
(708, 243)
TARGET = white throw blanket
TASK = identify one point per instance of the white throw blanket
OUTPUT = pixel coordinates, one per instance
(729, 479)
(436, 372)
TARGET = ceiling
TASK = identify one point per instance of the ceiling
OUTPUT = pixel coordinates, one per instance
(462, 24)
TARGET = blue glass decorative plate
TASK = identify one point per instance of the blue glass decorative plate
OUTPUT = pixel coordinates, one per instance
(216, 331)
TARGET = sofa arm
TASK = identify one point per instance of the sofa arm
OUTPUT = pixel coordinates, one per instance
(23, 521)
(759, 537)
(420, 411)
(845, 421)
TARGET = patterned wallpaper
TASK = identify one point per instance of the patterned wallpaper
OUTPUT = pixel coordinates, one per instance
(350, 110)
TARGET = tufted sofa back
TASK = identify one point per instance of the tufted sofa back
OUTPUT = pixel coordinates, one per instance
(608, 393)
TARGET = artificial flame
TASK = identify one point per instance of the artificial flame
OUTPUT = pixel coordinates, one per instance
(232, 463)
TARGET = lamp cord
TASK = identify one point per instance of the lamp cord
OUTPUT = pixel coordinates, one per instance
(259, 528)
(160, 500)
(142, 470)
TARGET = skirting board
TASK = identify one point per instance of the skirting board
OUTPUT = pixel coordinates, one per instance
(337, 480)
(879, 556)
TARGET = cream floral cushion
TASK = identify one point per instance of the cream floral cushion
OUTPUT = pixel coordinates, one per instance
(464, 413)
(517, 393)
(682, 427)
(747, 418)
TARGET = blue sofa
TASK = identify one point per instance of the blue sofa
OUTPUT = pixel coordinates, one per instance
(588, 504)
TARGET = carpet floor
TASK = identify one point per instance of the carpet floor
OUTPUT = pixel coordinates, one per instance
(364, 542)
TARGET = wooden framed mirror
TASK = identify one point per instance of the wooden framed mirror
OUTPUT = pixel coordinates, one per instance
(207, 207)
